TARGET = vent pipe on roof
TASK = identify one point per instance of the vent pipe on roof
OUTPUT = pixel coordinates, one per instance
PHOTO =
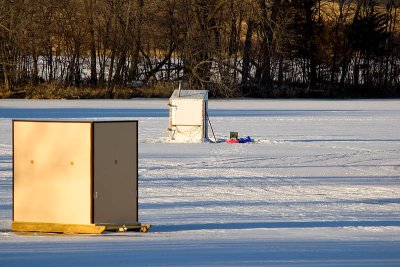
(179, 90)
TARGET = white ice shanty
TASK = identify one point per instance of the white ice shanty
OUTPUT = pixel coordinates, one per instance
(188, 116)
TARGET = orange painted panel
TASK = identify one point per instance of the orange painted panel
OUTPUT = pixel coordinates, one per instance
(52, 172)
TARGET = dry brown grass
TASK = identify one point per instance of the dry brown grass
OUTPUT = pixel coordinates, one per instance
(56, 91)
(160, 89)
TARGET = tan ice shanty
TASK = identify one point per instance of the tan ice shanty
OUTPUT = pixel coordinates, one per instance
(79, 177)
(188, 116)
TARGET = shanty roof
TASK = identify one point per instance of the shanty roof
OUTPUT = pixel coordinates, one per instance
(190, 94)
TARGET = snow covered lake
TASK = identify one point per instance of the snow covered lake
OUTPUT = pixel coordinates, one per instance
(320, 186)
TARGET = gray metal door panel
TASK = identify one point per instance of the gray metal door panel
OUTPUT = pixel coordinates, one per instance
(115, 173)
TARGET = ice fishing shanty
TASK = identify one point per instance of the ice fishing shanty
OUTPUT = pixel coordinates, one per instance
(188, 116)
(75, 176)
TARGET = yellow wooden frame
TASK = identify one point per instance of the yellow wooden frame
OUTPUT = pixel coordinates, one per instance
(75, 228)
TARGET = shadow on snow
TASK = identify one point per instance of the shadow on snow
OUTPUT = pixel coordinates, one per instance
(271, 225)
(36, 113)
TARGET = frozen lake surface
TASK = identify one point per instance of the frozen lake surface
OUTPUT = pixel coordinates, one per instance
(320, 186)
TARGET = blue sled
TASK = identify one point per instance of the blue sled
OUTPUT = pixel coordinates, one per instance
(245, 140)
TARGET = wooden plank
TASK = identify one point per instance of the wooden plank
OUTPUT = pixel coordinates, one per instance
(57, 228)
(76, 228)
(131, 227)
(144, 228)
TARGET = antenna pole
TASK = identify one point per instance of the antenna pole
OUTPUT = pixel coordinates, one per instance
(212, 130)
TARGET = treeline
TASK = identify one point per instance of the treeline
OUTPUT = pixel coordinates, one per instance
(282, 48)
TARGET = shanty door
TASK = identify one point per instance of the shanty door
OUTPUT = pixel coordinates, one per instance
(187, 112)
(188, 120)
(115, 173)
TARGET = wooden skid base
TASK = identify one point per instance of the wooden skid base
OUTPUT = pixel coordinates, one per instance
(75, 228)
(129, 227)
(57, 228)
